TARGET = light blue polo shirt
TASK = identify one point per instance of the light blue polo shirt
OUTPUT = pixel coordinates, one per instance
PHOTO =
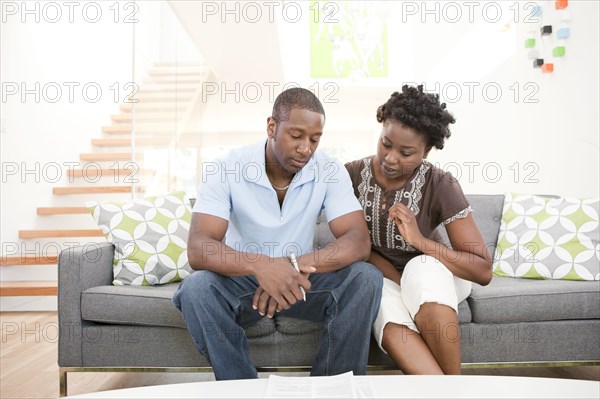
(237, 189)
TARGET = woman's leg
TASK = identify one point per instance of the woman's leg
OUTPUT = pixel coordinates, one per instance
(431, 294)
(396, 334)
(408, 350)
(439, 329)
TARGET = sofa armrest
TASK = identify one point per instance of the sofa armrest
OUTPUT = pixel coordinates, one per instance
(79, 268)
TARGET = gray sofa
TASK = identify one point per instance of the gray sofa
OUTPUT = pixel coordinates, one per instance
(123, 328)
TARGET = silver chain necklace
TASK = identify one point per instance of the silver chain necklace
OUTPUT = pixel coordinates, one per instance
(280, 188)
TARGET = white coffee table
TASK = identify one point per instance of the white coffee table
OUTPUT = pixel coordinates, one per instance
(383, 386)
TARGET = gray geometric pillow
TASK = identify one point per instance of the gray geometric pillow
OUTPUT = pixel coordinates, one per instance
(150, 237)
(548, 238)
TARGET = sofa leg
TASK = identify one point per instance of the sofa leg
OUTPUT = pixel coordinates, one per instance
(62, 378)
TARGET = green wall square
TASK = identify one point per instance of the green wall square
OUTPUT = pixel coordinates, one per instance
(558, 51)
(529, 43)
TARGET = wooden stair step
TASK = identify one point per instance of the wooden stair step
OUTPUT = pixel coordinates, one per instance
(109, 142)
(27, 234)
(28, 259)
(126, 142)
(156, 117)
(142, 128)
(94, 173)
(178, 64)
(62, 210)
(28, 288)
(180, 72)
(109, 156)
(94, 190)
(175, 67)
(162, 96)
(172, 106)
(169, 88)
(169, 79)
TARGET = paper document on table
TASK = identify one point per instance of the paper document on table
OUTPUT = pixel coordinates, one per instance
(337, 386)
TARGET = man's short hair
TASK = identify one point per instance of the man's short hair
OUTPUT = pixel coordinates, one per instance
(295, 98)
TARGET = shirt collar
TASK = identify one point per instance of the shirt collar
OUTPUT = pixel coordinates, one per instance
(257, 160)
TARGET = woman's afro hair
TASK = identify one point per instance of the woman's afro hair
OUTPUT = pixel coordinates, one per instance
(419, 111)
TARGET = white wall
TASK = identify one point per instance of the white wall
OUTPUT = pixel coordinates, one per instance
(545, 141)
(39, 132)
(555, 138)
(42, 133)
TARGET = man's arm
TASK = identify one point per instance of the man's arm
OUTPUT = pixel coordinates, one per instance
(352, 244)
(276, 276)
(206, 250)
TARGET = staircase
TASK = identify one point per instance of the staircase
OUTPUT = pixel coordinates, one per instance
(165, 99)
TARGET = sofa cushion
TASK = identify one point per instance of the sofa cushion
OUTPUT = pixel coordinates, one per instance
(548, 238)
(146, 306)
(152, 306)
(150, 237)
(290, 326)
(323, 234)
(509, 300)
(139, 305)
(487, 212)
(464, 312)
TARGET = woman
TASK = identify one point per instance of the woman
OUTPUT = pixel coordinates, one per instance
(405, 198)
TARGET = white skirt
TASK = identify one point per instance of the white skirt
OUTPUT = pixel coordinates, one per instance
(425, 279)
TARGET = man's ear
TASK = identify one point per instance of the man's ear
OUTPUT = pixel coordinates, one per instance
(271, 127)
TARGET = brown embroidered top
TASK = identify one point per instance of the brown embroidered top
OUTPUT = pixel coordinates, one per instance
(434, 196)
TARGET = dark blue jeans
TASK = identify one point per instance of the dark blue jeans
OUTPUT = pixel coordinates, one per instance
(217, 308)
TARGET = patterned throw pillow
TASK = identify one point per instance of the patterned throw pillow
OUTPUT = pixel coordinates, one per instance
(150, 237)
(548, 238)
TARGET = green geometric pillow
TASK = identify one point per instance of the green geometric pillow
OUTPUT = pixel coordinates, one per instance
(150, 237)
(548, 238)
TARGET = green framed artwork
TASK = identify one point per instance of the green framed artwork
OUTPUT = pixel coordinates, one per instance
(347, 40)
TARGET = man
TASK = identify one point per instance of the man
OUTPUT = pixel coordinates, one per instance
(267, 197)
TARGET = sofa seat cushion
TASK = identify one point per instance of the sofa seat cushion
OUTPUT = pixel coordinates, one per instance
(145, 306)
(290, 326)
(509, 300)
(139, 305)
(464, 312)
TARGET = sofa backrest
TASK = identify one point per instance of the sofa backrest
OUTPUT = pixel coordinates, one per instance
(323, 234)
(487, 212)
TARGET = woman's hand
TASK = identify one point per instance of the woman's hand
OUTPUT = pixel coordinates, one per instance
(407, 225)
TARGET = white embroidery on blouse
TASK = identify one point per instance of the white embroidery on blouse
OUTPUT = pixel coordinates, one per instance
(375, 214)
(372, 209)
(365, 182)
(460, 215)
